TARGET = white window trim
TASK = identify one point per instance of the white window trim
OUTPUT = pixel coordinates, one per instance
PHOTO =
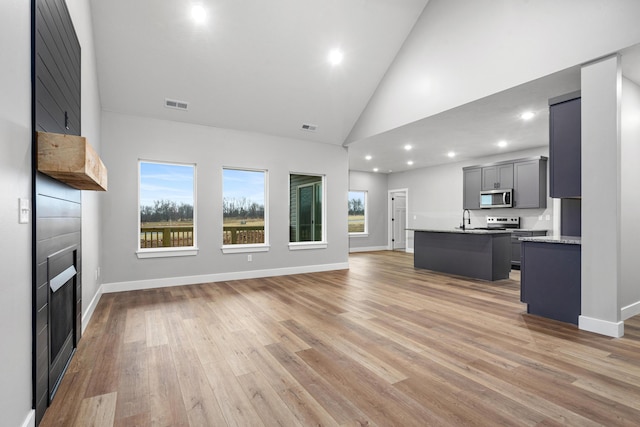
(359, 234)
(178, 250)
(364, 233)
(167, 252)
(257, 247)
(300, 246)
(322, 244)
(241, 249)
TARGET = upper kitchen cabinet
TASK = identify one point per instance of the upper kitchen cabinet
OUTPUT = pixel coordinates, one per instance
(497, 177)
(527, 177)
(565, 146)
(471, 187)
(530, 183)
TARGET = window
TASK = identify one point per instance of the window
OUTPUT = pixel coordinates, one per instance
(167, 217)
(358, 212)
(306, 211)
(244, 227)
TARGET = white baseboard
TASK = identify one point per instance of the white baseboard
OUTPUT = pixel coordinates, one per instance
(630, 311)
(602, 327)
(369, 249)
(30, 421)
(219, 277)
(86, 316)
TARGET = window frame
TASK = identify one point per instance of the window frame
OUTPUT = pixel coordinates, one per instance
(250, 247)
(170, 251)
(364, 233)
(319, 244)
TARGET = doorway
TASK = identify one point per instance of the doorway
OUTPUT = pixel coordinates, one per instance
(398, 201)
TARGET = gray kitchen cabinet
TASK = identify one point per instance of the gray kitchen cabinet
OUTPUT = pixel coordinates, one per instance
(497, 177)
(516, 244)
(471, 188)
(565, 146)
(530, 184)
(550, 280)
(527, 177)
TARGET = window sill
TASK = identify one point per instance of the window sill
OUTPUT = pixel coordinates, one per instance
(166, 252)
(358, 234)
(240, 249)
(300, 246)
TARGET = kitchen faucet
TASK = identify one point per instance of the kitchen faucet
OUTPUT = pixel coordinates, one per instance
(464, 212)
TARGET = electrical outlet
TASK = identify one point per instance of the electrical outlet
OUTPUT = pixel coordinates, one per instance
(548, 217)
(540, 218)
(249, 258)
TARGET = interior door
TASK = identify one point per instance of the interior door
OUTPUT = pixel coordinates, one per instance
(399, 221)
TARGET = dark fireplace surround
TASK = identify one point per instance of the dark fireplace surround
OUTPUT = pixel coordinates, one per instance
(57, 207)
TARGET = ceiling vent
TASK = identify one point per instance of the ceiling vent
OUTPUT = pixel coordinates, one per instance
(178, 105)
(309, 127)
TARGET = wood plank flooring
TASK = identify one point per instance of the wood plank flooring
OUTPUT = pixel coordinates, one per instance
(380, 344)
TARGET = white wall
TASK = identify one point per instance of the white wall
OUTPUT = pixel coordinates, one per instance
(630, 199)
(80, 12)
(461, 50)
(15, 182)
(125, 139)
(435, 196)
(377, 210)
(601, 193)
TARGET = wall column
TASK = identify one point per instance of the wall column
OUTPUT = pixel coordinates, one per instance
(601, 202)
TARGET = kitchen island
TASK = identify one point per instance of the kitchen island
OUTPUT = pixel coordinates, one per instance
(481, 254)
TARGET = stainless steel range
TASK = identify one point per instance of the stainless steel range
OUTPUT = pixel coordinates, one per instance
(502, 222)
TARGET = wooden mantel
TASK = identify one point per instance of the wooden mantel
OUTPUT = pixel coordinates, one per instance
(72, 160)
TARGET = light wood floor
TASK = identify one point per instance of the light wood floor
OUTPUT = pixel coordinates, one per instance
(380, 344)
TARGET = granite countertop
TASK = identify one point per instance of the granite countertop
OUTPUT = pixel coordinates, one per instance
(461, 231)
(566, 240)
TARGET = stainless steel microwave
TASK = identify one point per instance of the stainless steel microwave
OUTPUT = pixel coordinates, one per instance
(496, 198)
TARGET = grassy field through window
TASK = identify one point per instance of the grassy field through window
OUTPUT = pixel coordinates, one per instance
(356, 223)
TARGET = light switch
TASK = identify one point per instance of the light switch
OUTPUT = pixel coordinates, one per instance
(24, 211)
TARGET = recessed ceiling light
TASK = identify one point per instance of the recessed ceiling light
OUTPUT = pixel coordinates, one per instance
(375, 169)
(335, 56)
(390, 170)
(451, 154)
(368, 157)
(502, 143)
(198, 13)
(410, 162)
(527, 115)
(408, 147)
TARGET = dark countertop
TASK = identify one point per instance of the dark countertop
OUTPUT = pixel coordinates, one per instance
(566, 240)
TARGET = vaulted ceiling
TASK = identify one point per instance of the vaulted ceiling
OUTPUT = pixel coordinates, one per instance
(251, 65)
(262, 66)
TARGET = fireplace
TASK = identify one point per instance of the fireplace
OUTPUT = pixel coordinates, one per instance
(62, 276)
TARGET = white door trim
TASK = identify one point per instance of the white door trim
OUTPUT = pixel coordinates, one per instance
(390, 216)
